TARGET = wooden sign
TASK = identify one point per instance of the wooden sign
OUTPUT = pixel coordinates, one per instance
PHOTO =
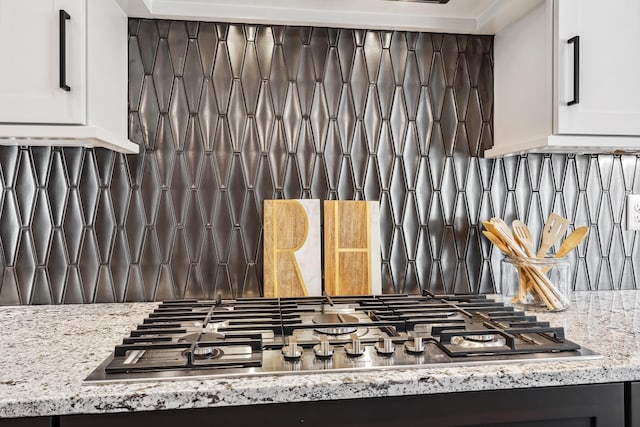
(352, 248)
(292, 260)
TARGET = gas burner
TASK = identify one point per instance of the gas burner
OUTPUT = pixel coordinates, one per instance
(360, 332)
(207, 352)
(337, 318)
(479, 341)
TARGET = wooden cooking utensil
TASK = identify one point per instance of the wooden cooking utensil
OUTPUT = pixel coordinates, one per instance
(568, 244)
(499, 234)
(496, 242)
(572, 240)
(523, 236)
(554, 229)
(538, 280)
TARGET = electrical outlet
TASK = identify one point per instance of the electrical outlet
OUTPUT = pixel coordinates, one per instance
(633, 212)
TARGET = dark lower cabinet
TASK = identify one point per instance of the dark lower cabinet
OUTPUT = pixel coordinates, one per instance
(26, 422)
(632, 404)
(599, 405)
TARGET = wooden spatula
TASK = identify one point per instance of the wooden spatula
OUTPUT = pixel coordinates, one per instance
(523, 236)
(554, 229)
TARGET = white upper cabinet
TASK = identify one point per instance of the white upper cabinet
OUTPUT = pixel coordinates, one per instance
(566, 79)
(63, 80)
(30, 89)
(607, 67)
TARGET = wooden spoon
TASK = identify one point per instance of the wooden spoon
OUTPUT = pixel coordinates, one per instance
(523, 236)
(554, 228)
(572, 240)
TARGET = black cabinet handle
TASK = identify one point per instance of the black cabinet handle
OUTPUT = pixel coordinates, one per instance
(64, 16)
(575, 40)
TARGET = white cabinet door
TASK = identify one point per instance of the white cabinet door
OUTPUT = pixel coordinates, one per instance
(608, 67)
(30, 49)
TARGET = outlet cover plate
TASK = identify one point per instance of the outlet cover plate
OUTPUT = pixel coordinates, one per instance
(633, 212)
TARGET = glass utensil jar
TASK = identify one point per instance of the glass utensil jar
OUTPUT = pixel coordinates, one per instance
(537, 284)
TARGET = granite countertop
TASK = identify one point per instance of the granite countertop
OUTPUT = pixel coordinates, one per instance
(47, 351)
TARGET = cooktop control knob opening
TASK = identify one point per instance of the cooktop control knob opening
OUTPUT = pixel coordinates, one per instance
(324, 349)
(355, 347)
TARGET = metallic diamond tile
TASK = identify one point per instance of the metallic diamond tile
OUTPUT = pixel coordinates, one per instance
(293, 117)
(136, 74)
(359, 155)
(398, 191)
(193, 151)
(165, 288)
(425, 118)
(193, 75)
(162, 75)
(306, 154)
(150, 264)
(104, 225)
(89, 265)
(208, 112)
(333, 82)
(119, 265)
(166, 223)
(320, 181)
(222, 151)
(25, 267)
(292, 187)
(41, 293)
(179, 263)
(88, 187)
(148, 39)
(236, 115)
(234, 44)
(265, 43)
(411, 226)
(134, 286)
(398, 121)
(436, 156)
(385, 156)
(265, 187)
(177, 40)
(179, 113)
(346, 186)
(222, 76)
(25, 188)
(250, 78)
(319, 119)
(278, 80)
(207, 43)
(73, 293)
(210, 188)
(104, 286)
(149, 112)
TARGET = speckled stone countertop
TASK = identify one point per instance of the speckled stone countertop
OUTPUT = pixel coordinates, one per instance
(47, 351)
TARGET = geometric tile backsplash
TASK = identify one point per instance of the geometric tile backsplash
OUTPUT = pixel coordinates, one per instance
(231, 115)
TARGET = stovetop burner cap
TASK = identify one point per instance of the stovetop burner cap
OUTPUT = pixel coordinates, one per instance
(335, 318)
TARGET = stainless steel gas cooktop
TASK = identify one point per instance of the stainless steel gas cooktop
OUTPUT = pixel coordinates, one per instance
(192, 339)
